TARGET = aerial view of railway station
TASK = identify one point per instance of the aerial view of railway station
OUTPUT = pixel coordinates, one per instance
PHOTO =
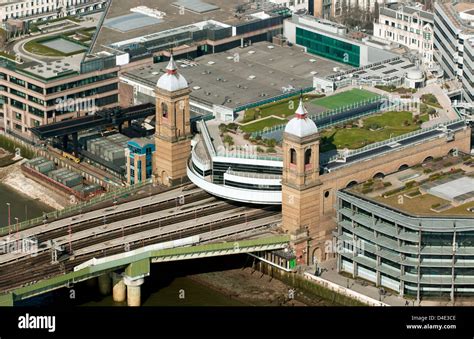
(236, 153)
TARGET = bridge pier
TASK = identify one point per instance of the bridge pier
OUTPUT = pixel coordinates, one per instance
(65, 142)
(75, 143)
(119, 290)
(133, 290)
(105, 284)
(91, 283)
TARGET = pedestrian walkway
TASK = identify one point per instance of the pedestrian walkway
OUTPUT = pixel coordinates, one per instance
(329, 273)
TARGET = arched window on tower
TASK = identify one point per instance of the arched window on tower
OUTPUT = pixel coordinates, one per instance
(292, 156)
(164, 110)
(307, 159)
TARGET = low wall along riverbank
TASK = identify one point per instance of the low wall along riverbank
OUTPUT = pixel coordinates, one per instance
(299, 282)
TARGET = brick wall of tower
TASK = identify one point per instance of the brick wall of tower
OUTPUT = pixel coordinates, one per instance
(172, 137)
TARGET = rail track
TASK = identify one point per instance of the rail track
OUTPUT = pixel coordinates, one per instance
(29, 269)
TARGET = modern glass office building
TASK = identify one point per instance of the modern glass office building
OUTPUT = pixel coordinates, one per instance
(328, 47)
(140, 160)
(331, 40)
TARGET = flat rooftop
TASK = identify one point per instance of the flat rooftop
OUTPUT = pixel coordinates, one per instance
(394, 68)
(241, 76)
(460, 14)
(438, 187)
(118, 26)
(69, 37)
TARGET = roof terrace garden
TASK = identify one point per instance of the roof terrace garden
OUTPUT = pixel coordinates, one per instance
(438, 187)
(277, 113)
(348, 120)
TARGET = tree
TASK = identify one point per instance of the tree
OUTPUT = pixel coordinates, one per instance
(228, 140)
(3, 38)
(376, 11)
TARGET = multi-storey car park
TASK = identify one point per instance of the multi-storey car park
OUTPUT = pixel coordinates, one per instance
(412, 231)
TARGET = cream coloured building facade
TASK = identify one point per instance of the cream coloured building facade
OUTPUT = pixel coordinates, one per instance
(409, 26)
(37, 10)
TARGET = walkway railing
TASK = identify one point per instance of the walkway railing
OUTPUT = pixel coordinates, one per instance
(207, 138)
(253, 175)
(273, 99)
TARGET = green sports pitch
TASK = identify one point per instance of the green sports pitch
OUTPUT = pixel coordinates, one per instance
(344, 99)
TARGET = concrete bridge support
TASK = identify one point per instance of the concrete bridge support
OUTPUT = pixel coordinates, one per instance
(133, 290)
(91, 283)
(105, 284)
(119, 290)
